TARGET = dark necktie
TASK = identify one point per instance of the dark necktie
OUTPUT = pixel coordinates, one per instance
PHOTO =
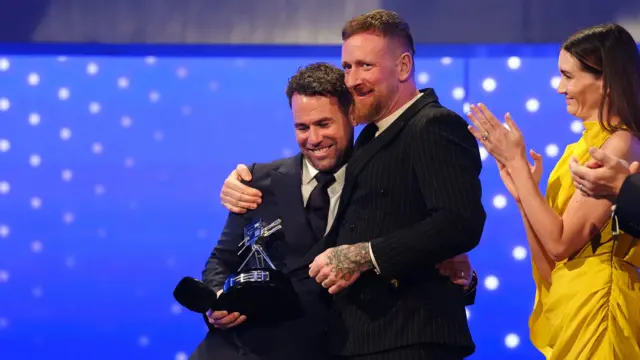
(366, 135)
(318, 203)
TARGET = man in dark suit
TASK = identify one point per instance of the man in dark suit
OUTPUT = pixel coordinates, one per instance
(303, 191)
(606, 177)
(412, 198)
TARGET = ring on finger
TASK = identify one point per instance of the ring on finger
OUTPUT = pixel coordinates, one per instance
(485, 135)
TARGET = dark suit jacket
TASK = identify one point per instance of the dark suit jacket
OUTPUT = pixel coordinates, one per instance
(280, 183)
(628, 206)
(414, 193)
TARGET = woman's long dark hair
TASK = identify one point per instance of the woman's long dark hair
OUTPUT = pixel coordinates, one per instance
(609, 52)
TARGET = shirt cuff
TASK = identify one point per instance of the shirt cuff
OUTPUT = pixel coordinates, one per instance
(373, 260)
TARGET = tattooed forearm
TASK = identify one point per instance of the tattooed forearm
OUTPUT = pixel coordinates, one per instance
(347, 260)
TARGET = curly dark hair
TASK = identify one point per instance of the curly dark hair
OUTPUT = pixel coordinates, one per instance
(384, 23)
(320, 79)
(609, 52)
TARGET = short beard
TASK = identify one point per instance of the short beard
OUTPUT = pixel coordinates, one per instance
(369, 114)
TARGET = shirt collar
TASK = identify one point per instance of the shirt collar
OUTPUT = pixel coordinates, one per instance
(309, 172)
(384, 123)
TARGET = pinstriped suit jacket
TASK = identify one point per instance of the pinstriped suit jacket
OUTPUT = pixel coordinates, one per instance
(414, 192)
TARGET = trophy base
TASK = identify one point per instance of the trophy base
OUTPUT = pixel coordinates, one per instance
(266, 296)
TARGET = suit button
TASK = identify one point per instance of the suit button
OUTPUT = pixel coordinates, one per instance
(352, 227)
(382, 192)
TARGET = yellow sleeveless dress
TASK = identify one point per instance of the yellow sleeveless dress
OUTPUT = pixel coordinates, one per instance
(591, 311)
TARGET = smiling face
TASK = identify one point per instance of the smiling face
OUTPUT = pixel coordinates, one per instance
(323, 131)
(582, 90)
(371, 74)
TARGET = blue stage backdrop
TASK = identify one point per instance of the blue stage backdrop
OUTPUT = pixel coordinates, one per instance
(110, 173)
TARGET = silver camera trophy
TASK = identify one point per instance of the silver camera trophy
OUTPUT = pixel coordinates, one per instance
(258, 290)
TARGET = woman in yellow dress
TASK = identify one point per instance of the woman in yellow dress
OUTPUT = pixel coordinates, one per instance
(586, 272)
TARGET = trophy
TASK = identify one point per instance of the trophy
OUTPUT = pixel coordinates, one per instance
(258, 290)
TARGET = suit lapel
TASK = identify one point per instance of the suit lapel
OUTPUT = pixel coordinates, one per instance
(287, 185)
(362, 156)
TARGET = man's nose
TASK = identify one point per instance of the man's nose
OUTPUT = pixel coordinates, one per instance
(314, 136)
(352, 79)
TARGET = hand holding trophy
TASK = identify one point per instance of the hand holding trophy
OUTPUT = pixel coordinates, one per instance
(264, 294)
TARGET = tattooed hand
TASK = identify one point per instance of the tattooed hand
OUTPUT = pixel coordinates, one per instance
(339, 267)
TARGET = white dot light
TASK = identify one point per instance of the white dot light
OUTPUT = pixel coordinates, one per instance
(150, 60)
(34, 119)
(551, 150)
(4, 64)
(182, 72)
(99, 189)
(62, 58)
(97, 148)
(70, 262)
(34, 160)
(499, 201)
(181, 356)
(129, 162)
(5, 145)
(519, 253)
(4, 231)
(555, 82)
(176, 309)
(125, 121)
(36, 202)
(65, 133)
(63, 93)
(577, 126)
(36, 246)
(154, 96)
(446, 60)
(458, 93)
(92, 68)
(36, 292)
(123, 82)
(4, 323)
(491, 282)
(514, 62)
(489, 84)
(4, 276)
(5, 104)
(158, 135)
(33, 79)
(532, 105)
(67, 175)
(94, 107)
(143, 341)
(512, 341)
(423, 78)
(5, 187)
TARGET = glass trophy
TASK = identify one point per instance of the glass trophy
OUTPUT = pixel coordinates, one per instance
(258, 289)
